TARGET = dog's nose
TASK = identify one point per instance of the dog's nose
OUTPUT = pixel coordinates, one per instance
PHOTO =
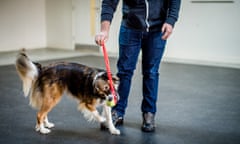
(110, 98)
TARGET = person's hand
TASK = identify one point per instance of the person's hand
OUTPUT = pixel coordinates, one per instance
(166, 30)
(101, 37)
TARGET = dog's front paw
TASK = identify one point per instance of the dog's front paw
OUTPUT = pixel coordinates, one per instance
(115, 131)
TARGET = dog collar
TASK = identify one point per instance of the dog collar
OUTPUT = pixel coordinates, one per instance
(96, 77)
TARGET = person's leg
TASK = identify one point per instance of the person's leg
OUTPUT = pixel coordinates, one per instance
(129, 48)
(152, 51)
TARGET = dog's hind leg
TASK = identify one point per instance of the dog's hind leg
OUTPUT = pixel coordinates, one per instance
(48, 124)
(42, 114)
(51, 97)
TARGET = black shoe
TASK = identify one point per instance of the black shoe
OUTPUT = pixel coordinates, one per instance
(117, 121)
(148, 124)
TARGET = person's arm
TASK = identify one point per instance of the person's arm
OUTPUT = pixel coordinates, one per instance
(172, 17)
(108, 9)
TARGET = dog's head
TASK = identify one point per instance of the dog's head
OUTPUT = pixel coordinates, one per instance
(101, 86)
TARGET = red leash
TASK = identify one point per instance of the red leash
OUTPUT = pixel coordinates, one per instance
(109, 72)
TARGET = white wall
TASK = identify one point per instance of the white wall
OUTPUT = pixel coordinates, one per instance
(112, 44)
(83, 27)
(59, 24)
(22, 24)
(86, 23)
(35, 24)
(206, 33)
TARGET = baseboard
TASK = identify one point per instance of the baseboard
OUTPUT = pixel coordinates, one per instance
(87, 48)
(202, 62)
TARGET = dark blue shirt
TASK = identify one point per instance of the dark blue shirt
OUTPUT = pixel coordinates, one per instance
(146, 15)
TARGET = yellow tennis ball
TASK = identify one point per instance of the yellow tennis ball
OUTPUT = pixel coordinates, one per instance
(110, 103)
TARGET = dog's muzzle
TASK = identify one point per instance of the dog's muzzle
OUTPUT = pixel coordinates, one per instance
(110, 97)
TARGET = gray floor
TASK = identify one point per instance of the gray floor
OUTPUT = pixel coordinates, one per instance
(196, 105)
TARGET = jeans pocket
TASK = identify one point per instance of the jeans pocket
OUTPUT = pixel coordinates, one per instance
(129, 37)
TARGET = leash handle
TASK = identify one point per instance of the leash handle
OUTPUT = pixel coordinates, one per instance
(105, 54)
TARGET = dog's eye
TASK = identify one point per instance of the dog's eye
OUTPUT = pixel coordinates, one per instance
(106, 88)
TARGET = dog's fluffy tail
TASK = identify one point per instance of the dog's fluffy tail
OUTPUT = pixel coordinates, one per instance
(27, 70)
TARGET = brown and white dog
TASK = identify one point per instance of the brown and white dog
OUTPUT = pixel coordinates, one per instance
(45, 86)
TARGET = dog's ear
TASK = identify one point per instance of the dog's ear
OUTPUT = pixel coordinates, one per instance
(101, 86)
(115, 81)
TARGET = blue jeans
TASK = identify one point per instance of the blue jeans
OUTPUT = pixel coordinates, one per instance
(152, 46)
